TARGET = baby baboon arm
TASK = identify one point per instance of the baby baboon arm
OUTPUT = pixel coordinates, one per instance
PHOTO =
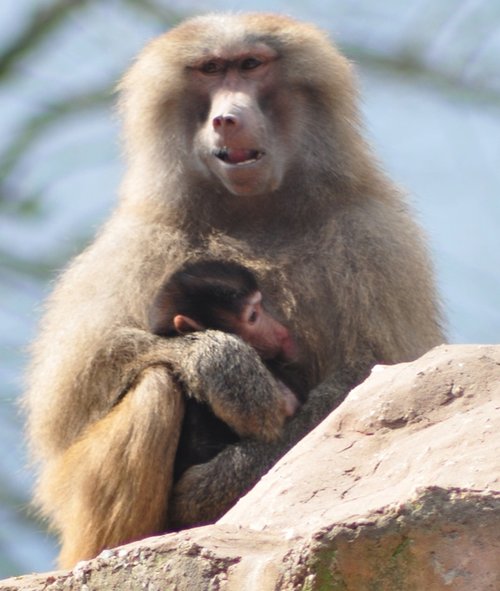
(206, 491)
(112, 485)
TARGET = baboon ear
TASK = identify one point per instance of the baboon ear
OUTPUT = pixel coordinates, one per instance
(184, 324)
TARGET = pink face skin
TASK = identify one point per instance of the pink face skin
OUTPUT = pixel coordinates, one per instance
(240, 143)
(270, 339)
(265, 334)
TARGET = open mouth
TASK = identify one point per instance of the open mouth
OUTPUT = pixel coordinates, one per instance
(238, 156)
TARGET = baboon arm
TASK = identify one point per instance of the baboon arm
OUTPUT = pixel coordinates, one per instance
(206, 491)
(111, 486)
(221, 370)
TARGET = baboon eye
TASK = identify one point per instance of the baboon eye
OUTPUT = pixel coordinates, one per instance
(211, 67)
(250, 63)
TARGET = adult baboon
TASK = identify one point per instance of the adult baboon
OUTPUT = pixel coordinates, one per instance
(243, 142)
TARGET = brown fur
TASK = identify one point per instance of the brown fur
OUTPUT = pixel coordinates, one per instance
(334, 249)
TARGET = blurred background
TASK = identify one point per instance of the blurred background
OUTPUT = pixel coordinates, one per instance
(430, 78)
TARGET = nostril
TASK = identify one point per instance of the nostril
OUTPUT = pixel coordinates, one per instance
(222, 120)
(230, 119)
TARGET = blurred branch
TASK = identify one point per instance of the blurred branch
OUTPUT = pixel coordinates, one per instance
(35, 127)
(165, 15)
(411, 65)
(39, 27)
(41, 24)
(35, 267)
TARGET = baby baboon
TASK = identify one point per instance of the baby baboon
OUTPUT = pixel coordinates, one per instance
(221, 295)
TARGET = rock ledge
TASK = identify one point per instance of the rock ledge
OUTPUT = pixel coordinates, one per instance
(399, 488)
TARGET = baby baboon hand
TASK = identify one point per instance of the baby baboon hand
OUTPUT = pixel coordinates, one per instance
(185, 508)
(256, 408)
(290, 402)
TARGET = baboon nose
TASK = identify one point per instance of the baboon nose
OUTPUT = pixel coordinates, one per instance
(222, 121)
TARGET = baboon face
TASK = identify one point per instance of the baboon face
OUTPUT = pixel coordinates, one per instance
(227, 101)
(238, 141)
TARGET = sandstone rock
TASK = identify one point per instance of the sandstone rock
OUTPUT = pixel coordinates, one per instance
(398, 489)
